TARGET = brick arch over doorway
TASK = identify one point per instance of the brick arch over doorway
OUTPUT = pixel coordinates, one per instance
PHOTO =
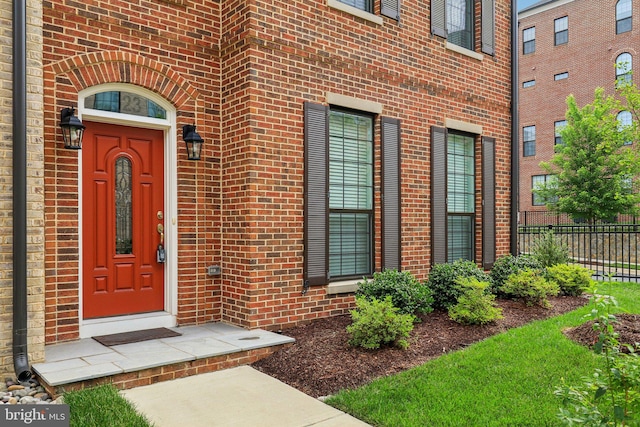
(82, 71)
(62, 82)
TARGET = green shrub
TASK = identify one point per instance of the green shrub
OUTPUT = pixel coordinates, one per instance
(442, 281)
(549, 250)
(378, 323)
(407, 293)
(475, 306)
(572, 279)
(530, 286)
(507, 265)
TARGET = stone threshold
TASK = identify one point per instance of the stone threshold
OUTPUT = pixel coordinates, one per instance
(203, 348)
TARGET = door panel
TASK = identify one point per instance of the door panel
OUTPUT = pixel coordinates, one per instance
(123, 189)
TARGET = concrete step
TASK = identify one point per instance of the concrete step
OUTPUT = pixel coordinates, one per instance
(203, 348)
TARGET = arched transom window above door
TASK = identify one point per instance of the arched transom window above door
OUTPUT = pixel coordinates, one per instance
(125, 103)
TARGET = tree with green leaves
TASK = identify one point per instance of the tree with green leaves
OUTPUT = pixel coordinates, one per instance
(593, 172)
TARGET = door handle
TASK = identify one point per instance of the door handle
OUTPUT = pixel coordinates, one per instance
(160, 229)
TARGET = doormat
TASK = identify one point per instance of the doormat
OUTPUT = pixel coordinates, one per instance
(136, 336)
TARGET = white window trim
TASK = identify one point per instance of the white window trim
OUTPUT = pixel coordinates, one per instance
(355, 11)
(167, 318)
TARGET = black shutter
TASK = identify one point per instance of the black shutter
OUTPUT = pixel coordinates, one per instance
(488, 202)
(438, 195)
(390, 8)
(391, 211)
(488, 26)
(316, 133)
(438, 18)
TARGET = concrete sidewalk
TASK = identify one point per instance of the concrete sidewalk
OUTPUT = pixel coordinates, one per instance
(237, 397)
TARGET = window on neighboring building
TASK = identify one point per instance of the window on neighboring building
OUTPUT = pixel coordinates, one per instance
(561, 76)
(624, 12)
(528, 83)
(558, 126)
(529, 40)
(366, 5)
(529, 141)
(350, 194)
(460, 196)
(561, 27)
(624, 65)
(537, 181)
(627, 185)
(460, 18)
(625, 121)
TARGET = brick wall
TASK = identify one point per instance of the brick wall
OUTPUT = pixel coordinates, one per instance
(164, 46)
(289, 55)
(588, 57)
(242, 71)
(35, 197)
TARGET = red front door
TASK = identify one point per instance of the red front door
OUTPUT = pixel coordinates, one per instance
(122, 220)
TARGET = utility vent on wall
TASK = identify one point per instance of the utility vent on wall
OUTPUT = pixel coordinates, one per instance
(213, 270)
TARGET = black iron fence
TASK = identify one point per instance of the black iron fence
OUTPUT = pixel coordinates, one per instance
(606, 248)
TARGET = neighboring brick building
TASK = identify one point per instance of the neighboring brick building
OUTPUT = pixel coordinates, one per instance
(566, 47)
(327, 128)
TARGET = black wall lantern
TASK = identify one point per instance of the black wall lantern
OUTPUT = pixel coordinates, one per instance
(193, 141)
(72, 129)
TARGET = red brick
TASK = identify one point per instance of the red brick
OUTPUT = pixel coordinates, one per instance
(242, 75)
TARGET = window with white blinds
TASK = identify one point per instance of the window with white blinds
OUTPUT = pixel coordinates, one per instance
(460, 196)
(350, 193)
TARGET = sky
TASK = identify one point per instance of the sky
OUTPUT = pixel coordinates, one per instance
(525, 3)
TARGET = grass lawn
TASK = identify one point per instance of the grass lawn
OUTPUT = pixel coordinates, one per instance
(100, 407)
(505, 380)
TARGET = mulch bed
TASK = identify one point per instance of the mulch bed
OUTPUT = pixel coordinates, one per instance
(321, 362)
(627, 326)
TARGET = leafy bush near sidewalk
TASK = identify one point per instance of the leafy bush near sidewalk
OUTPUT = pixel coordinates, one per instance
(378, 323)
(408, 294)
(442, 281)
(475, 305)
(530, 286)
